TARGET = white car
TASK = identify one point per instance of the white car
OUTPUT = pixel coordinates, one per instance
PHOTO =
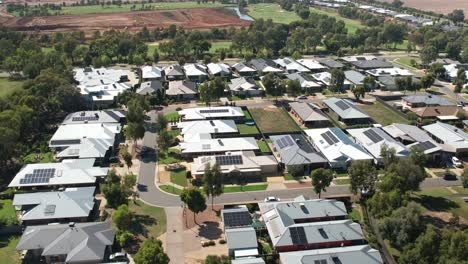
(272, 199)
(457, 163)
(118, 256)
(302, 97)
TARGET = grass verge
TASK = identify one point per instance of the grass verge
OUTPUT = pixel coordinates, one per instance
(246, 188)
(170, 189)
(342, 181)
(179, 177)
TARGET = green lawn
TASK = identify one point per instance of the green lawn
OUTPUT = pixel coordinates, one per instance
(247, 115)
(342, 181)
(179, 177)
(8, 253)
(354, 214)
(273, 12)
(382, 114)
(350, 24)
(461, 190)
(169, 157)
(289, 177)
(406, 62)
(7, 211)
(149, 221)
(45, 158)
(170, 189)
(247, 130)
(273, 120)
(442, 200)
(246, 188)
(172, 116)
(151, 48)
(98, 9)
(8, 86)
(219, 45)
(263, 146)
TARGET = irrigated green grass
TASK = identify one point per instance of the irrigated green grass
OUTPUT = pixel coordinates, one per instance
(171, 189)
(8, 253)
(246, 188)
(272, 11)
(8, 86)
(343, 181)
(169, 157)
(354, 214)
(351, 25)
(263, 146)
(382, 114)
(172, 116)
(179, 177)
(219, 45)
(247, 130)
(46, 157)
(247, 115)
(7, 210)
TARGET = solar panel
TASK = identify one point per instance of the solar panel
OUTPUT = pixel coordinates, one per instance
(65, 142)
(229, 160)
(85, 118)
(320, 261)
(298, 235)
(212, 111)
(280, 144)
(342, 105)
(336, 260)
(237, 219)
(323, 233)
(372, 135)
(113, 115)
(38, 176)
(330, 138)
(289, 141)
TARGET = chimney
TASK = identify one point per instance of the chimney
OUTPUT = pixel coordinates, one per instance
(302, 205)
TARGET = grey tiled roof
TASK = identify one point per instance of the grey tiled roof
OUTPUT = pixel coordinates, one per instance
(330, 63)
(351, 112)
(300, 152)
(308, 112)
(354, 77)
(371, 64)
(427, 99)
(241, 238)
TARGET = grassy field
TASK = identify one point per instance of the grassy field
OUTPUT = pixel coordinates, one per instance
(263, 146)
(382, 114)
(406, 62)
(179, 177)
(273, 12)
(247, 130)
(219, 45)
(7, 86)
(343, 181)
(442, 200)
(98, 9)
(351, 25)
(149, 221)
(273, 120)
(246, 188)
(170, 189)
(8, 254)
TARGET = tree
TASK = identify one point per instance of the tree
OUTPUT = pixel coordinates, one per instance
(464, 178)
(123, 217)
(193, 198)
(207, 92)
(213, 182)
(437, 69)
(428, 54)
(369, 82)
(293, 87)
(321, 179)
(164, 141)
(388, 155)
(418, 157)
(359, 91)
(401, 83)
(151, 252)
(304, 13)
(337, 80)
(127, 157)
(363, 176)
(457, 16)
(427, 80)
(135, 131)
(213, 259)
(161, 122)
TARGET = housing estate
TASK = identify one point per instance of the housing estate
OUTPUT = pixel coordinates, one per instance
(451, 71)
(371, 64)
(346, 111)
(309, 114)
(241, 242)
(394, 71)
(290, 65)
(101, 117)
(201, 113)
(244, 86)
(325, 78)
(173, 72)
(152, 73)
(330, 63)
(150, 87)
(312, 65)
(191, 128)
(182, 90)
(264, 66)
(362, 254)
(452, 139)
(306, 84)
(196, 72)
(204, 144)
(354, 77)
(423, 100)
(236, 217)
(243, 70)
(219, 69)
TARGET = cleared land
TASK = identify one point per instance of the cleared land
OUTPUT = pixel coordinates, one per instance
(7, 86)
(438, 6)
(273, 120)
(382, 114)
(195, 18)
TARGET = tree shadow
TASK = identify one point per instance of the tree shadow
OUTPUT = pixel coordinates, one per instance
(140, 223)
(210, 230)
(433, 203)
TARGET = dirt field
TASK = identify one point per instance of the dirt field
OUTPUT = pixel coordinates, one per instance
(197, 18)
(439, 6)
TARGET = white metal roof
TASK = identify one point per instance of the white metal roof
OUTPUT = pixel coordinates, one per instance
(200, 113)
(151, 72)
(208, 127)
(362, 254)
(219, 145)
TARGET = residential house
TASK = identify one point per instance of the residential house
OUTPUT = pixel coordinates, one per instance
(248, 260)
(453, 140)
(337, 148)
(330, 63)
(196, 72)
(236, 217)
(173, 72)
(152, 73)
(264, 66)
(362, 254)
(309, 114)
(364, 65)
(423, 100)
(355, 78)
(219, 70)
(350, 59)
(213, 127)
(306, 84)
(69, 205)
(150, 88)
(245, 86)
(291, 66)
(101, 117)
(346, 111)
(182, 90)
(325, 78)
(312, 65)
(394, 71)
(451, 71)
(241, 242)
(374, 138)
(243, 70)
(221, 112)
(443, 113)
(69, 243)
(295, 150)
(414, 137)
(72, 172)
(204, 144)
(237, 165)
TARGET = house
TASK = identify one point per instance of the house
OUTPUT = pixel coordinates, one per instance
(151, 73)
(374, 138)
(69, 205)
(452, 139)
(236, 164)
(69, 243)
(371, 64)
(394, 71)
(241, 242)
(87, 140)
(346, 111)
(221, 112)
(414, 137)
(101, 117)
(355, 78)
(204, 144)
(219, 69)
(72, 172)
(306, 84)
(208, 127)
(295, 150)
(173, 72)
(150, 87)
(330, 63)
(243, 70)
(451, 71)
(248, 260)
(196, 72)
(264, 66)
(325, 78)
(423, 100)
(443, 113)
(182, 90)
(312, 65)
(309, 224)
(337, 148)
(290, 65)
(244, 86)
(350, 59)
(362, 254)
(236, 217)
(309, 114)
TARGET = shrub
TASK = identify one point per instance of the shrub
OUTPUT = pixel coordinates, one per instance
(222, 241)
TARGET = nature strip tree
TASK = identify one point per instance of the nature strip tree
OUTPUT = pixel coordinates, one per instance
(150, 252)
(321, 179)
(363, 176)
(213, 181)
(193, 198)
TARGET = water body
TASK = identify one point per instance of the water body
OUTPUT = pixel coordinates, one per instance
(240, 15)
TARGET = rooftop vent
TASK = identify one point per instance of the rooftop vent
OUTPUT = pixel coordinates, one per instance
(71, 224)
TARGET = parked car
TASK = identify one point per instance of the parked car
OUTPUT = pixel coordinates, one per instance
(272, 199)
(456, 162)
(119, 256)
(449, 176)
(302, 97)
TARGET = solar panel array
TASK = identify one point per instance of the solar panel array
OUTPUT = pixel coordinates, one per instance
(298, 235)
(38, 176)
(229, 160)
(320, 261)
(237, 219)
(425, 145)
(336, 260)
(330, 138)
(285, 142)
(372, 135)
(85, 118)
(213, 111)
(65, 142)
(113, 115)
(342, 105)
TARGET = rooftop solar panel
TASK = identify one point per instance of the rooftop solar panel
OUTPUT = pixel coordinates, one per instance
(342, 105)
(85, 118)
(330, 138)
(280, 144)
(425, 145)
(65, 142)
(372, 135)
(212, 111)
(237, 219)
(113, 115)
(229, 160)
(298, 235)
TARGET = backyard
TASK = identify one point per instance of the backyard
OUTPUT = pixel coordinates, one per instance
(247, 130)
(382, 115)
(8, 253)
(8, 86)
(273, 120)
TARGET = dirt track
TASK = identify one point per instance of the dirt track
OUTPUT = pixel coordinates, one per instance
(439, 6)
(197, 18)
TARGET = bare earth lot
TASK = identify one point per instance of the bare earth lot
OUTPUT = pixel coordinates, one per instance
(439, 6)
(196, 18)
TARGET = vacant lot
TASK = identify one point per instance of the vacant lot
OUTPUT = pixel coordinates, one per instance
(442, 200)
(7, 86)
(272, 120)
(438, 6)
(273, 12)
(382, 114)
